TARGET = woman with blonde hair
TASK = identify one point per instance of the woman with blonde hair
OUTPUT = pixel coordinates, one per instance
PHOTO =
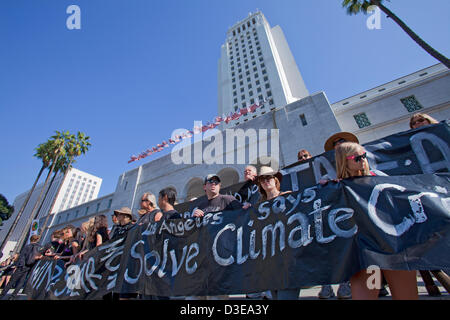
(421, 119)
(351, 161)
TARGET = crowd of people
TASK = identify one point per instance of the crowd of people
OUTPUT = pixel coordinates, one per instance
(71, 243)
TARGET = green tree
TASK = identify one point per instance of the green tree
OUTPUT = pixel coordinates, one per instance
(356, 6)
(56, 151)
(75, 146)
(6, 210)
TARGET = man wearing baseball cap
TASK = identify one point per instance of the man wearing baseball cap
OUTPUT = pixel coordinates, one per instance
(215, 201)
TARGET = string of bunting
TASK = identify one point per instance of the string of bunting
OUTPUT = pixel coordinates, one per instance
(196, 130)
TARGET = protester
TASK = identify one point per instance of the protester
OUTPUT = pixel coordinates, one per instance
(216, 201)
(124, 217)
(351, 161)
(344, 291)
(27, 259)
(250, 174)
(269, 182)
(9, 266)
(99, 234)
(166, 201)
(114, 225)
(148, 212)
(421, 119)
(416, 121)
(303, 155)
(72, 243)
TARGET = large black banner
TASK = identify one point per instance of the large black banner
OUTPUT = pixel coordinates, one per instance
(319, 236)
(311, 236)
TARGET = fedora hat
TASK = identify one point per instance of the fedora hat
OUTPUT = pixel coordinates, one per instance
(268, 171)
(124, 210)
(350, 137)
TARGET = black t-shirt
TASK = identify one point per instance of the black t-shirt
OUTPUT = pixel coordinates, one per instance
(28, 254)
(120, 231)
(245, 190)
(220, 203)
(171, 214)
(103, 232)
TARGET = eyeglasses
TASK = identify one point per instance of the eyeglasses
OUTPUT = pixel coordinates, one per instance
(341, 140)
(358, 158)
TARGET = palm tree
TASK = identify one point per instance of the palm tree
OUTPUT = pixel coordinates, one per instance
(56, 150)
(42, 153)
(75, 147)
(356, 6)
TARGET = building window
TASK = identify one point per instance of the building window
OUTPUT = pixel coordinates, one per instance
(126, 184)
(98, 207)
(87, 210)
(411, 104)
(269, 93)
(303, 119)
(109, 203)
(362, 120)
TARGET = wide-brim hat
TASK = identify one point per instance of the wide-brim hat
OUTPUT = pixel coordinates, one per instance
(268, 171)
(350, 137)
(124, 210)
(210, 176)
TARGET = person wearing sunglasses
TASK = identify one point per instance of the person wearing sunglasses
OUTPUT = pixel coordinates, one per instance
(344, 291)
(351, 161)
(215, 201)
(421, 119)
(269, 182)
(149, 211)
(303, 155)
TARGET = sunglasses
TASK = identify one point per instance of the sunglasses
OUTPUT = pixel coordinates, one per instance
(358, 158)
(341, 140)
(212, 181)
(145, 200)
(265, 178)
(303, 157)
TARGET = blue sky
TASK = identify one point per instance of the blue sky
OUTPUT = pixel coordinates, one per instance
(139, 69)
